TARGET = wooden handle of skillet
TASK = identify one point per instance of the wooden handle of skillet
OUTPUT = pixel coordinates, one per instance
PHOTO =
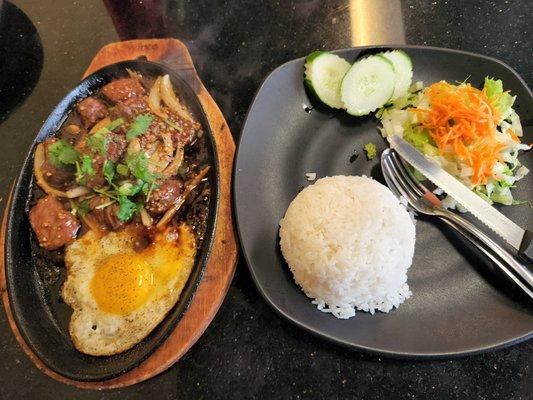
(171, 52)
(220, 268)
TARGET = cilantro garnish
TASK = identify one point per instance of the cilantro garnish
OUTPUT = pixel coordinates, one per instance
(84, 168)
(148, 189)
(130, 189)
(126, 208)
(109, 171)
(61, 154)
(138, 166)
(98, 141)
(87, 165)
(108, 192)
(139, 126)
(81, 208)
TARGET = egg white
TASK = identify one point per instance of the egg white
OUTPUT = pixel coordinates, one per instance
(99, 332)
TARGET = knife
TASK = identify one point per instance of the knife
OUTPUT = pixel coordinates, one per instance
(520, 239)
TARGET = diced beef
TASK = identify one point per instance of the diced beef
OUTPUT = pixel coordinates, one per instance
(96, 180)
(164, 196)
(132, 107)
(91, 110)
(122, 89)
(107, 216)
(81, 143)
(116, 146)
(52, 223)
(56, 176)
(189, 130)
(156, 130)
(71, 130)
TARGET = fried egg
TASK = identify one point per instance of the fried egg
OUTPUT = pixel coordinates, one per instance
(119, 294)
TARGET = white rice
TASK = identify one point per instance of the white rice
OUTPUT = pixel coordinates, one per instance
(349, 243)
(310, 176)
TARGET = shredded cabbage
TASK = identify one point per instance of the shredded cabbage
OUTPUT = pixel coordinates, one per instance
(396, 119)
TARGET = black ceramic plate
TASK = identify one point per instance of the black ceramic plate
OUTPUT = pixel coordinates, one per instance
(41, 316)
(460, 305)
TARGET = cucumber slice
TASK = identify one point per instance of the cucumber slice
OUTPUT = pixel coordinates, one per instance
(323, 75)
(403, 69)
(368, 85)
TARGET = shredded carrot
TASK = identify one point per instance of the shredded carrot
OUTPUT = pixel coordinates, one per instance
(462, 121)
(513, 135)
(430, 196)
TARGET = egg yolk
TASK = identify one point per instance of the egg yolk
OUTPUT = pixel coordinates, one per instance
(122, 283)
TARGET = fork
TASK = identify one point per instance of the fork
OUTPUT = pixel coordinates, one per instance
(420, 199)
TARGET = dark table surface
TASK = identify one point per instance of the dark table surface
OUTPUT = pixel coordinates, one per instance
(248, 351)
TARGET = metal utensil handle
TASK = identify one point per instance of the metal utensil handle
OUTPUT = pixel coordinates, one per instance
(520, 269)
(526, 247)
(475, 240)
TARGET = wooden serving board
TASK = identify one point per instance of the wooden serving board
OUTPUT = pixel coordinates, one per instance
(220, 267)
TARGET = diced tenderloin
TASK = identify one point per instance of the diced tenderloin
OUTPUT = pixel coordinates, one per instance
(96, 180)
(52, 223)
(116, 146)
(91, 110)
(107, 216)
(122, 89)
(162, 198)
(132, 107)
(187, 133)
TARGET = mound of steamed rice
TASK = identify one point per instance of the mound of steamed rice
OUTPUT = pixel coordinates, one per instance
(349, 243)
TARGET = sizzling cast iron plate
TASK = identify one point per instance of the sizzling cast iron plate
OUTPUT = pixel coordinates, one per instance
(459, 304)
(40, 315)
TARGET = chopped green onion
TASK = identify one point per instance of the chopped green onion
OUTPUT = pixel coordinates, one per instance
(123, 169)
(115, 124)
(172, 124)
(370, 150)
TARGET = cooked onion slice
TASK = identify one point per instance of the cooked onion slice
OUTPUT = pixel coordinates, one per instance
(171, 100)
(172, 168)
(154, 100)
(99, 125)
(134, 74)
(38, 161)
(146, 219)
(160, 153)
(77, 192)
(169, 214)
(134, 146)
